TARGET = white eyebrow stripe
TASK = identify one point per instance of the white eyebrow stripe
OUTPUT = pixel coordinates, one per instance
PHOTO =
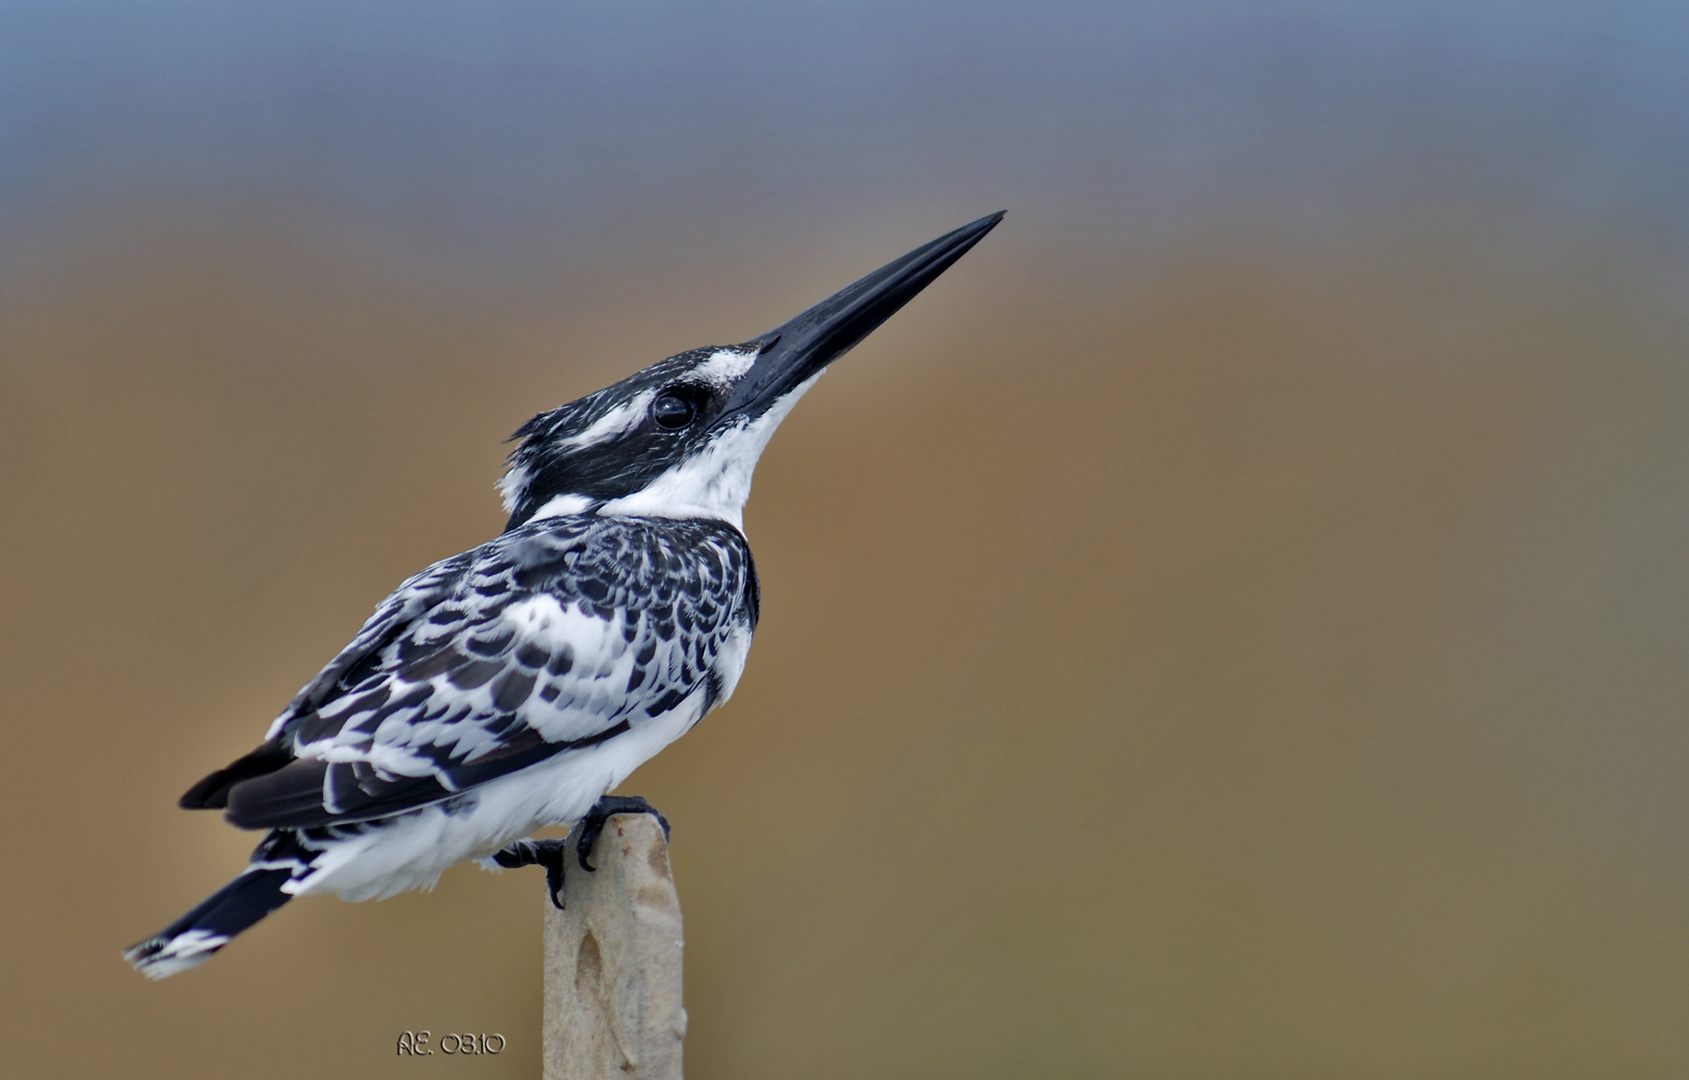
(725, 365)
(612, 423)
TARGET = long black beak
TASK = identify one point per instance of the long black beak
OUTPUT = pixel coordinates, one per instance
(800, 347)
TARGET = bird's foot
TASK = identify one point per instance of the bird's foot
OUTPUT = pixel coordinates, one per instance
(602, 811)
(546, 853)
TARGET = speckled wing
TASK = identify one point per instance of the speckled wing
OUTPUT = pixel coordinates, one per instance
(560, 634)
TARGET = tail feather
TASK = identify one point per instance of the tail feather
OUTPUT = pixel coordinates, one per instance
(190, 940)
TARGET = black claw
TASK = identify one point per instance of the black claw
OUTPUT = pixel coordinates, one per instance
(602, 811)
(546, 853)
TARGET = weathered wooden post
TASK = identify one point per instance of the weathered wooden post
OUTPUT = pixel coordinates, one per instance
(613, 961)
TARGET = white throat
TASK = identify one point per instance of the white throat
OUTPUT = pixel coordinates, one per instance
(716, 482)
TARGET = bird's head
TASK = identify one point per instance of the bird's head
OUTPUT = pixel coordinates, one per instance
(682, 437)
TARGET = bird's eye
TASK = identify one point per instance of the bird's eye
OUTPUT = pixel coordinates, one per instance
(673, 412)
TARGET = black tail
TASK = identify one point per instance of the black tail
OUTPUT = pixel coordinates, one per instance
(192, 939)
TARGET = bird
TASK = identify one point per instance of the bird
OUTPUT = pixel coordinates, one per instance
(515, 685)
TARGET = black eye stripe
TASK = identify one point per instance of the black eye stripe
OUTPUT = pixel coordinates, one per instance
(672, 412)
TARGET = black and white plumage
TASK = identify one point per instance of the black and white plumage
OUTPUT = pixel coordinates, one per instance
(512, 686)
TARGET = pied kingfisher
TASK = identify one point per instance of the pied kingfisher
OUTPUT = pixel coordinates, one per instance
(513, 686)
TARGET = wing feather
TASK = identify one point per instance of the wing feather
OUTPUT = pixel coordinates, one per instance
(556, 636)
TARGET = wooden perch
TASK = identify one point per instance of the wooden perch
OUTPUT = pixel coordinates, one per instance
(612, 961)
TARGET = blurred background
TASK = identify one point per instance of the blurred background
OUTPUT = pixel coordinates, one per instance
(1232, 625)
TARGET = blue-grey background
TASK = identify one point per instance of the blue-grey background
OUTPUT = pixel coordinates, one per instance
(1233, 625)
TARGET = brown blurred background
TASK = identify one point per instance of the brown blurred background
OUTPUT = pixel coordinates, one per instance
(1233, 625)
